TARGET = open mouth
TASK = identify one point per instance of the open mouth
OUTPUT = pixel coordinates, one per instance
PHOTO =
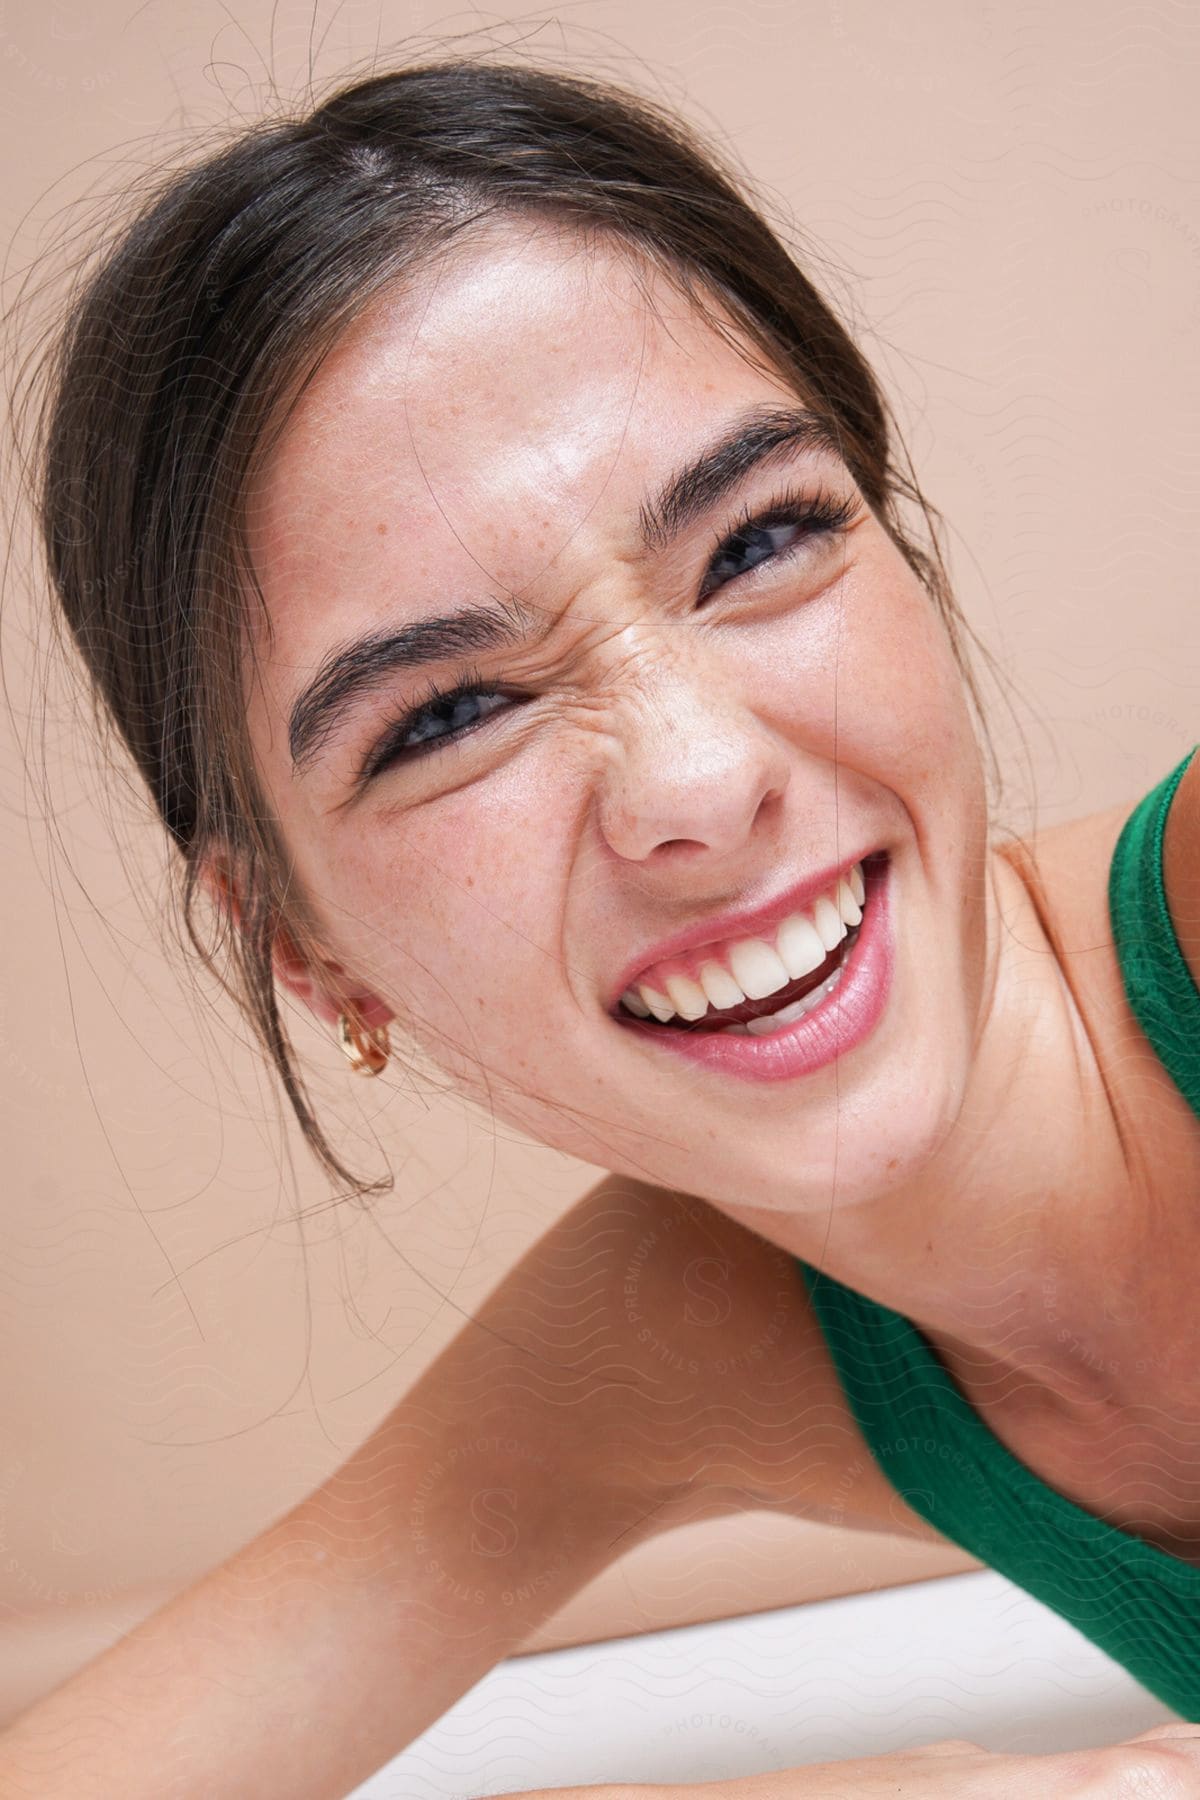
(811, 988)
(757, 1017)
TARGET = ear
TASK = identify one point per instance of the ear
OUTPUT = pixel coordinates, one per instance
(325, 989)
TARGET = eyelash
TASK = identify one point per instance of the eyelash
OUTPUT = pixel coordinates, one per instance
(820, 513)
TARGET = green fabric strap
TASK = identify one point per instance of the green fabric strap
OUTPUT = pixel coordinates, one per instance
(1158, 982)
(1137, 1602)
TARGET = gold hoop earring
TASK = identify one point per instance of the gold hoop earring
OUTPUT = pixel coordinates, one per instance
(366, 1050)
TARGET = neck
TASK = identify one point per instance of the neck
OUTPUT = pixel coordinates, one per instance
(1024, 1248)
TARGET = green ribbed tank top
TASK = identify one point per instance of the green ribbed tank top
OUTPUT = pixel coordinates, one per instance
(1137, 1602)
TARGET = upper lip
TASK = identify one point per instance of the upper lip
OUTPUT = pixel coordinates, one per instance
(750, 921)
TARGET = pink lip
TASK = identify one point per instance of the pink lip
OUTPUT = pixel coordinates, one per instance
(750, 922)
(835, 1025)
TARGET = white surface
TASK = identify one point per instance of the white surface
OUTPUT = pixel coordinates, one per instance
(963, 1656)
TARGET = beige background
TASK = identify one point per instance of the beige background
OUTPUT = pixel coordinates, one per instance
(1005, 201)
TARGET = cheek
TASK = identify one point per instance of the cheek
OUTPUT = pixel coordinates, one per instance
(865, 675)
(461, 901)
(873, 687)
(904, 710)
(899, 681)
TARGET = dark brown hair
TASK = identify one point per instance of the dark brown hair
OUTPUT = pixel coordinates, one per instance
(198, 324)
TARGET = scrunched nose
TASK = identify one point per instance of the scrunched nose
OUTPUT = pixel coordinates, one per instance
(686, 776)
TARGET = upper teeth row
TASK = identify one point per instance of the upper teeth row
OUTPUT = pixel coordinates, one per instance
(756, 968)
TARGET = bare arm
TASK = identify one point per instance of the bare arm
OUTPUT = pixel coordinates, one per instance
(1163, 1762)
(535, 1451)
(514, 1471)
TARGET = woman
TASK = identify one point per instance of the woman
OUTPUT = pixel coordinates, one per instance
(491, 550)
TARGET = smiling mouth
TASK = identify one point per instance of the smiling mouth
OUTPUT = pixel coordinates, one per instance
(782, 1007)
(722, 1018)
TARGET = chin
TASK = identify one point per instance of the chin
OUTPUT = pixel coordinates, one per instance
(862, 1144)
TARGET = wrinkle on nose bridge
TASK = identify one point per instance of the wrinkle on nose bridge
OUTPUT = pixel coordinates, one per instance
(684, 773)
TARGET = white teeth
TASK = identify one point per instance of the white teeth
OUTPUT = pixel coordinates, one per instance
(757, 969)
(658, 1003)
(787, 1015)
(799, 946)
(831, 927)
(687, 996)
(722, 990)
(802, 942)
(847, 905)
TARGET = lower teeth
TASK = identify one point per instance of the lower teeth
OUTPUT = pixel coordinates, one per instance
(789, 1014)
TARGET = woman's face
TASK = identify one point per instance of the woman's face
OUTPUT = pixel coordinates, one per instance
(674, 723)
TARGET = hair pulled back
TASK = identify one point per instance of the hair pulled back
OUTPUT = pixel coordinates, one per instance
(198, 325)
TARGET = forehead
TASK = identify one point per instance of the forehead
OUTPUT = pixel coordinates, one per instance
(505, 412)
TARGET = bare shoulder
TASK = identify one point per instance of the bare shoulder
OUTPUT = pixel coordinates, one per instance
(1072, 849)
(1066, 869)
(724, 1390)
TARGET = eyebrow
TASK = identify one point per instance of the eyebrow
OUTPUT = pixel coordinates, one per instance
(753, 438)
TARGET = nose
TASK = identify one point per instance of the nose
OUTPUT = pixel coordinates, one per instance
(689, 775)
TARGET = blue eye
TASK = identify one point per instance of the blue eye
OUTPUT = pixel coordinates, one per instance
(808, 515)
(745, 542)
(443, 717)
(449, 711)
